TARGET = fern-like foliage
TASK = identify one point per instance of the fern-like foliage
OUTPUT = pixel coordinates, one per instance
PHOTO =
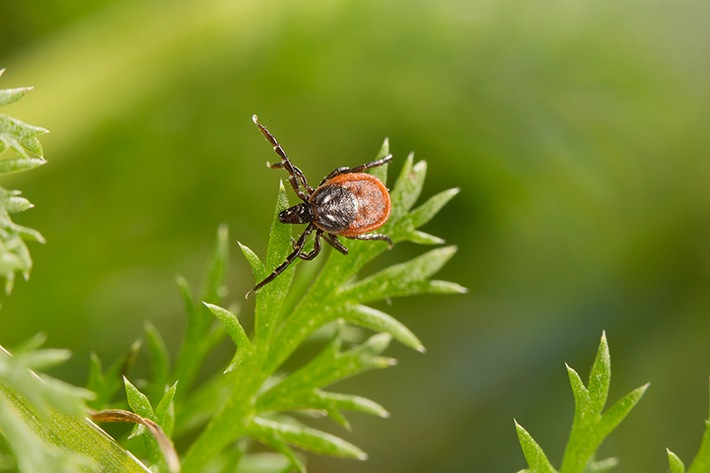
(592, 424)
(261, 402)
(257, 397)
(25, 153)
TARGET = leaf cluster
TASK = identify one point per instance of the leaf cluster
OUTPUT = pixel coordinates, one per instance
(47, 425)
(271, 401)
(259, 397)
(592, 424)
(25, 153)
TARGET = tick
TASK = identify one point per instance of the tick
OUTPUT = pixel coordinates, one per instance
(347, 203)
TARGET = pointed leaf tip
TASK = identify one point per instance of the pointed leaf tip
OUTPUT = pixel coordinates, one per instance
(373, 319)
(675, 464)
(600, 376)
(534, 455)
(429, 209)
(8, 96)
(235, 331)
(420, 167)
(257, 266)
(306, 438)
(384, 149)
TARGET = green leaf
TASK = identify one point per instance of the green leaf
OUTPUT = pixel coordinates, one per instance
(236, 333)
(334, 403)
(20, 137)
(600, 377)
(536, 458)
(19, 164)
(306, 438)
(423, 238)
(165, 410)
(8, 96)
(25, 233)
(17, 374)
(16, 204)
(273, 438)
(619, 410)
(423, 214)
(674, 463)
(354, 403)
(328, 366)
(408, 186)
(232, 325)
(43, 359)
(380, 172)
(373, 319)
(581, 394)
(331, 403)
(139, 404)
(44, 424)
(591, 426)
(35, 342)
(403, 279)
(271, 297)
(160, 447)
(257, 266)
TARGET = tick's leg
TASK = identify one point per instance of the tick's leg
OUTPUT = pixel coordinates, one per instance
(335, 243)
(360, 168)
(297, 172)
(298, 247)
(295, 175)
(316, 247)
(373, 236)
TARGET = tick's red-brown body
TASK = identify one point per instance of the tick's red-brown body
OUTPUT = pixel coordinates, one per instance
(363, 199)
(347, 203)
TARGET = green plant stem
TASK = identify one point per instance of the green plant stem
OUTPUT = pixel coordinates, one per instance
(233, 418)
(309, 315)
(312, 312)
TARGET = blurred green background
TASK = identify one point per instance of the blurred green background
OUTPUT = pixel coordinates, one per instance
(577, 130)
